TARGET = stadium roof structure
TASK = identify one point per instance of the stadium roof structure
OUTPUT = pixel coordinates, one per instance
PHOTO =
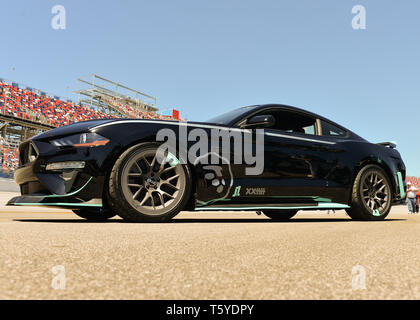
(110, 97)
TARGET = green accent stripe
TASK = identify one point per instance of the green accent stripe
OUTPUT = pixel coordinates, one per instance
(320, 199)
(319, 206)
(59, 204)
(315, 198)
(204, 204)
(401, 185)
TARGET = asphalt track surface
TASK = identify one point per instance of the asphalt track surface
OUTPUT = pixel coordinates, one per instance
(208, 256)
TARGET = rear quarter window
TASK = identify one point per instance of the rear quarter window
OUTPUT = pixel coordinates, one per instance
(331, 130)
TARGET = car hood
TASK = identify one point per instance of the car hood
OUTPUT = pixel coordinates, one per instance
(74, 128)
(86, 126)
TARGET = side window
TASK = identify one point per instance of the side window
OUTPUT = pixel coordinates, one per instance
(330, 130)
(293, 122)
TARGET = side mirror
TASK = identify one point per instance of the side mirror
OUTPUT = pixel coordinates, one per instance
(263, 121)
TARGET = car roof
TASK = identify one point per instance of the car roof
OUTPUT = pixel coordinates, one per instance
(257, 108)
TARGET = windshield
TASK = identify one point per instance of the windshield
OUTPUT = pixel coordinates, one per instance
(228, 117)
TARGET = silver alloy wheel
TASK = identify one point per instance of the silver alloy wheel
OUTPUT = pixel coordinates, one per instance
(375, 192)
(153, 184)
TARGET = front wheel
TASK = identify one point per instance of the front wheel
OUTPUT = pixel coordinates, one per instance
(371, 195)
(146, 185)
(280, 215)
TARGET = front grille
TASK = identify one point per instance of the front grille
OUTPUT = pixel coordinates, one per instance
(27, 153)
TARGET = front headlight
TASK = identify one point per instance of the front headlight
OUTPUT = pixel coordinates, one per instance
(89, 139)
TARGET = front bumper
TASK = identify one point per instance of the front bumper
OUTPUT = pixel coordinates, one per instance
(69, 188)
(74, 199)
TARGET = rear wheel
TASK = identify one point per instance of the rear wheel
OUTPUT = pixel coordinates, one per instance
(371, 195)
(147, 186)
(280, 215)
(94, 214)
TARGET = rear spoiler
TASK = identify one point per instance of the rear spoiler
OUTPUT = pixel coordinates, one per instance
(391, 144)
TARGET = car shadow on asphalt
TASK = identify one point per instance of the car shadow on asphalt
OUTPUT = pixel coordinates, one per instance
(208, 220)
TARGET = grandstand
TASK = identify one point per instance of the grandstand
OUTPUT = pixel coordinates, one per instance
(25, 111)
(116, 99)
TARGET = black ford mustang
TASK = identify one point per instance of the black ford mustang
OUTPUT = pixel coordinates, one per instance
(102, 168)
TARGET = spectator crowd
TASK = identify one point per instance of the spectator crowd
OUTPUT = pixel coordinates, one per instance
(29, 105)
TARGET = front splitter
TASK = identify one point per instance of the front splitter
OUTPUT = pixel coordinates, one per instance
(46, 200)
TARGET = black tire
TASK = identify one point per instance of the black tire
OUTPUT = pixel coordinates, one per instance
(371, 201)
(280, 215)
(94, 214)
(151, 196)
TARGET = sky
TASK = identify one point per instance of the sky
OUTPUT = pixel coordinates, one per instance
(207, 57)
